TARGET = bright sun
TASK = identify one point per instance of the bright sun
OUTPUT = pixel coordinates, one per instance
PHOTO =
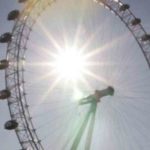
(70, 64)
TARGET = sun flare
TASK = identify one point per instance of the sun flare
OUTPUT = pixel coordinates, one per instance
(70, 64)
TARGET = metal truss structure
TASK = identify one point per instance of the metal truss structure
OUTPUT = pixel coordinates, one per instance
(14, 73)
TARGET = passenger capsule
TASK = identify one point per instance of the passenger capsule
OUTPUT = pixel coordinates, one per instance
(6, 37)
(11, 125)
(13, 15)
(22, 1)
(124, 7)
(135, 21)
(145, 37)
(5, 94)
(4, 64)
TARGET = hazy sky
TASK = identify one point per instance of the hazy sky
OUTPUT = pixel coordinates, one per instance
(122, 121)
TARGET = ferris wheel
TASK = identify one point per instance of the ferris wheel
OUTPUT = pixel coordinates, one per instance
(71, 124)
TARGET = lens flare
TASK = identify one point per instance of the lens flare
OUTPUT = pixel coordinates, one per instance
(70, 64)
